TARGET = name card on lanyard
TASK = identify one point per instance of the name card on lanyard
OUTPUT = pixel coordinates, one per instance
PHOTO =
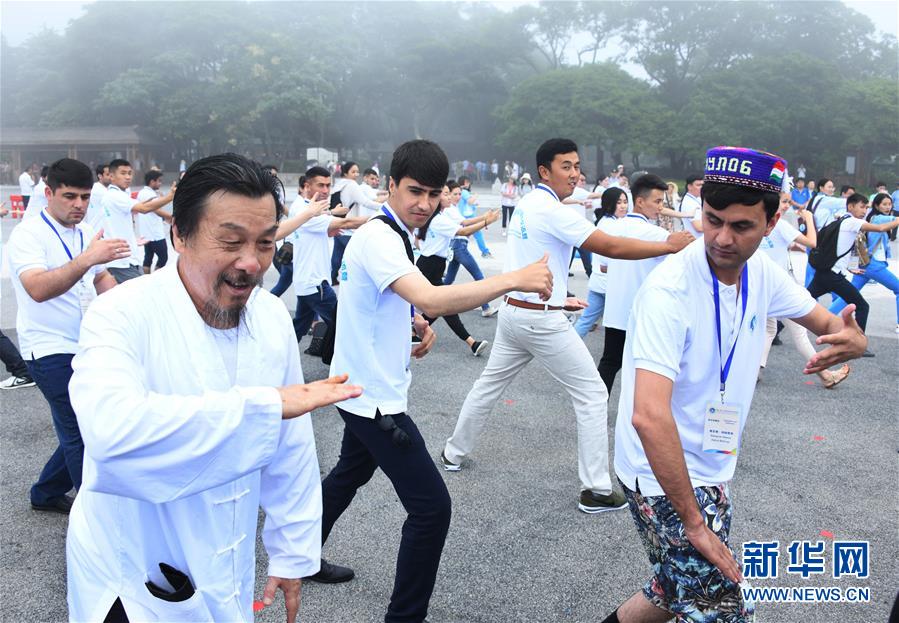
(85, 290)
(721, 431)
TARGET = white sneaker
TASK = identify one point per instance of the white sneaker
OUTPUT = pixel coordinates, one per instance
(490, 312)
(16, 382)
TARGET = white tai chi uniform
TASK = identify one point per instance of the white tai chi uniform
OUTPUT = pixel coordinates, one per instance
(184, 442)
(541, 223)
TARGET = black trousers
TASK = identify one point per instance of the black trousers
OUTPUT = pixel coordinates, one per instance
(11, 358)
(507, 214)
(586, 260)
(411, 470)
(612, 351)
(828, 281)
(432, 267)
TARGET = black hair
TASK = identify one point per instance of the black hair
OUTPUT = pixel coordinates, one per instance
(720, 196)
(608, 203)
(44, 170)
(875, 203)
(421, 160)
(552, 148)
(693, 178)
(645, 184)
(855, 198)
(68, 172)
(349, 164)
(452, 185)
(846, 188)
(269, 168)
(315, 171)
(822, 182)
(879, 183)
(229, 173)
(151, 176)
(370, 171)
(800, 179)
(100, 168)
(118, 162)
(301, 182)
(463, 179)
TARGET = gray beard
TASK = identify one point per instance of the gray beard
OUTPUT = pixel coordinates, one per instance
(220, 317)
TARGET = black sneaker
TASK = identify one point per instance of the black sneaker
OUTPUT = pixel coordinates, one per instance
(867, 353)
(332, 574)
(61, 505)
(17, 382)
(479, 347)
(592, 503)
(447, 465)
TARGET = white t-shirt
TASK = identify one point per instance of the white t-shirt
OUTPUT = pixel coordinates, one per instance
(777, 243)
(150, 225)
(94, 216)
(373, 343)
(354, 197)
(311, 255)
(26, 184)
(849, 228)
(453, 214)
(691, 204)
(625, 277)
(440, 234)
(38, 200)
(118, 222)
(598, 279)
(543, 224)
(672, 332)
(51, 327)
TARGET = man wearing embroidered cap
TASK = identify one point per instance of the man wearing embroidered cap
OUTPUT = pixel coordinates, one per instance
(694, 342)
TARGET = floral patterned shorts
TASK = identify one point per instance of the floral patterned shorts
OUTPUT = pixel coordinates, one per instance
(684, 582)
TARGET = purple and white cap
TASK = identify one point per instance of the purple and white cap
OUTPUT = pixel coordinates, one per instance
(747, 167)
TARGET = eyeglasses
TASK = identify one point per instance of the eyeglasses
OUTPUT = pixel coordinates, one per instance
(399, 437)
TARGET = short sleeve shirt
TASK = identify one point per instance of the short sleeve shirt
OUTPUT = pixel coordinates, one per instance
(543, 224)
(849, 228)
(117, 222)
(373, 340)
(311, 255)
(777, 244)
(691, 204)
(150, 225)
(440, 234)
(672, 332)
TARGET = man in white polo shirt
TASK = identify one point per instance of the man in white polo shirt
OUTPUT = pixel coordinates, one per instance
(312, 255)
(58, 266)
(624, 277)
(379, 287)
(94, 213)
(693, 347)
(118, 209)
(151, 225)
(26, 184)
(529, 328)
(38, 195)
(692, 204)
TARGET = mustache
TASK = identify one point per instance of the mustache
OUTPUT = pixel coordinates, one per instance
(238, 279)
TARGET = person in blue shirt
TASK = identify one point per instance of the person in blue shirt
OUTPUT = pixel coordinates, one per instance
(800, 195)
(879, 252)
(468, 207)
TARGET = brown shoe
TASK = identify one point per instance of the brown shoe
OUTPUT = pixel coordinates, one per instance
(837, 377)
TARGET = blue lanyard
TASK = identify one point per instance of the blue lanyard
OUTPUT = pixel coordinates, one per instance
(393, 218)
(64, 245)
(639, 216)
(744, 295)
(549, 190)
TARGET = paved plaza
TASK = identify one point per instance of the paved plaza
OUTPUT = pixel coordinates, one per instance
(815, 465)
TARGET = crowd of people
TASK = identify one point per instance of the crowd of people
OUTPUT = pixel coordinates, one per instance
(202, 415)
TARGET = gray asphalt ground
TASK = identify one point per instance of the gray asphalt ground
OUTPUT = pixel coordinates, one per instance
(518, 550)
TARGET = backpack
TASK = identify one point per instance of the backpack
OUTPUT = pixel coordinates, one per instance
(327, 346)
(824, 255)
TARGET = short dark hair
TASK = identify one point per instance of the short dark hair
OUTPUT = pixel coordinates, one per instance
(845, 188)
(100, 169)
(349, 164)
(269, 167)
(879, 183)
(68, 172)
(44, 170)
(693, 178)
(301, 181)
(230, 173)
(855, 198)
(452, 185)
(823, 182)
(720, 196)
(463, 179)
(645, 184)
(315, 171)
(421, 160)
(151, 176)
(118, 162)
(552, 148)
(370, 172)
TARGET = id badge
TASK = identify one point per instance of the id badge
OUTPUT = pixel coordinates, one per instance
(721, 433)
(86, 295)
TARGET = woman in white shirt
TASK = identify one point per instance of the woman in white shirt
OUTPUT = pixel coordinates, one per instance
(435, 239)
(509, 200)
(613, 205)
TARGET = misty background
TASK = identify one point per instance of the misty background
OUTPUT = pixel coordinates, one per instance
(647, 84)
